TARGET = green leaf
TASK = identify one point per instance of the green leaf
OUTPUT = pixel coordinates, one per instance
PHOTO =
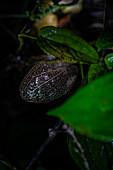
(90, 110)
(105, 41)
(59, 51)
(109, 61)
(95, 71)
(98, 154)
(67, 41)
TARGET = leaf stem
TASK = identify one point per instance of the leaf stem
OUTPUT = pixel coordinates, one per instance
(14, 16)
(82, 72)
(43, 146)
(27, 36)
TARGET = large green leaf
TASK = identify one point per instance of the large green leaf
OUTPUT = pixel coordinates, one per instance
(98, 154)
(67, 42)
(90, 110)
(105, 41)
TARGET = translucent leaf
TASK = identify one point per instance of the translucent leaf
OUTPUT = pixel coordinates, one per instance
(48, 81)
(90, 110)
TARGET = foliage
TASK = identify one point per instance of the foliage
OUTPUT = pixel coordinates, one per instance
(109, 61)
(90, 105)
(105, 40)
(87, 113)
(98, 154)
(96, 70)
(67, 44)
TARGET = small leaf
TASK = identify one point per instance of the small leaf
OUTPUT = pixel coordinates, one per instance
(71, 41)
(95, 71)
(109, 61)
(105, 41)
(90, 110)
(48, 81)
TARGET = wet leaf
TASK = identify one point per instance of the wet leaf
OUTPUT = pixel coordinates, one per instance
(105, 41)
(90, 110)
(48, 81)
(70, 42)
(109, 61)
(57, 50)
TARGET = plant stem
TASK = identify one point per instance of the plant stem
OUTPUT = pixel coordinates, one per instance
(82, 72)
(7, 165)
(42, 147)
(14, 16)
(27, 36)
(106, 14)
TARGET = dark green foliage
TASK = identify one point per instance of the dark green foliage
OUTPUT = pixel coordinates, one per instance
(109, 61)
(73, 42)
(95, 71)
(89, 111)
(99, 155)
(105, 41)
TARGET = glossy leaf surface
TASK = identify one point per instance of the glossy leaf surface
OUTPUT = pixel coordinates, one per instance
(90, 110)
(109, 61)
(48, 81)
(57, 50)
(70, 41)
(105, 41)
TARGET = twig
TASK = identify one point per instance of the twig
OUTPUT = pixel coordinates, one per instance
(84, 81)
(7, 164)
(106, 15)
(5, 16)
(71, 133)
(42, 147)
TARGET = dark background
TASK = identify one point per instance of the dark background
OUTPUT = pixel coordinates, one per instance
(24, 126)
